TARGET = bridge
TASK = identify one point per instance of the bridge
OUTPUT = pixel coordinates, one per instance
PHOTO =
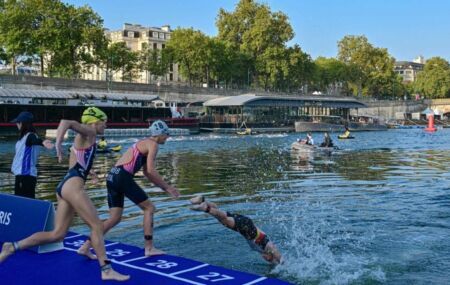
(440, 106)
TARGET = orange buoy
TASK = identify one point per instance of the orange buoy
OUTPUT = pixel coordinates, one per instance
(430, 127)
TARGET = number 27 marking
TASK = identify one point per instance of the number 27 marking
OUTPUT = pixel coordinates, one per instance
(211, 277)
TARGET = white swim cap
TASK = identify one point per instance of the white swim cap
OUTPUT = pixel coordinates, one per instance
(159, 128)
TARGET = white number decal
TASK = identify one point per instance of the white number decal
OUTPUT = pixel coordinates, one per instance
(76, 243)
(212, 275)
(117, 252)
(163, 264)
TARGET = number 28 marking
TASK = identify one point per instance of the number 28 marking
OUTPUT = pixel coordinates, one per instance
(162, 264)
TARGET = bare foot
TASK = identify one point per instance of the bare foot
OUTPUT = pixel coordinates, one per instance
(110, 274)
(7, 250)
(202, 207)
(197, 199)
(153, 251)
(85, 251)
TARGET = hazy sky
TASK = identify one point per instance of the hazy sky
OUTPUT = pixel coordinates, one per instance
(407, 28)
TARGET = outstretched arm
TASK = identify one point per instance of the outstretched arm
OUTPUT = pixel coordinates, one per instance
(152, 174)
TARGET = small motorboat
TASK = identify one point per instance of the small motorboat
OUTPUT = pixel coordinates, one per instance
(303, 147)
(109, 149)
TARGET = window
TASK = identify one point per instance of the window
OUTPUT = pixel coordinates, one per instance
(155, 46)
(163, 46)
(155, 34)
(161, 35)
(130, 34)
(171, 77)
(171, 67)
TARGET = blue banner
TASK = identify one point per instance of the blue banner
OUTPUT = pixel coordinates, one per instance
(21, 217)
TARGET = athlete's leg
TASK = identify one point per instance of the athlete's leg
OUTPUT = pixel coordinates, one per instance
(63, 219)
(220, 215)
(149, 209)
(73, 192)
(115, 215)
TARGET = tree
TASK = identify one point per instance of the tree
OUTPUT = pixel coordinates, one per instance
(16, 30)
(77, 32)
(155, 61)
(329, 73)
(372, 69)
(253, 29)
(63, 36)
(117, 57)
(434, 80)
(189, 49)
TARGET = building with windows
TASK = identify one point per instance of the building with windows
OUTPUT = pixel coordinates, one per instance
(137, 38)
(302, 113)
(408, 70)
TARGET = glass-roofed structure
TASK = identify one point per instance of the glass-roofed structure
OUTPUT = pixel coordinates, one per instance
(272, 112)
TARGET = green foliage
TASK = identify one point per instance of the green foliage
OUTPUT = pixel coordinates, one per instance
(329, 72)
(189, 49)
(372, 69)
(118, 57)
(261, 36)
(16, 30)
(434, 80)
(61, 34)
(155, 61)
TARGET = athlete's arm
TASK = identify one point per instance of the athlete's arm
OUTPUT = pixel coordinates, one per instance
(152, 174)
(63, 126)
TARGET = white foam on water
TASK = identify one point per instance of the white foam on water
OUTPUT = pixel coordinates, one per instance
(318, 247)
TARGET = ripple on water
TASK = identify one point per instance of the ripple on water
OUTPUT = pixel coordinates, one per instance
(374, 212)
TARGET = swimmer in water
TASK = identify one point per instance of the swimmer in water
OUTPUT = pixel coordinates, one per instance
(255, 237)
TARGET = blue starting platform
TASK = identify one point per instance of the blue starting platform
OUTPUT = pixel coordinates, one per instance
(66, 267)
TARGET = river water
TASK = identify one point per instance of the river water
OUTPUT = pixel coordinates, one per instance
(376, 211)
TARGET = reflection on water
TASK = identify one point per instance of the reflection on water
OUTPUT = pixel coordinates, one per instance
(375, 211)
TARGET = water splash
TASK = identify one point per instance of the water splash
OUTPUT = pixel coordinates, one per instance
(320, 248)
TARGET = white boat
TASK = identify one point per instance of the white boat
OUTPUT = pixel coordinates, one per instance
(303, 147)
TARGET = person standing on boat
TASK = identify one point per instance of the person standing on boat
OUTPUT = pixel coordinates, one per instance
(309, 139)
(72, 198)
(255, 237)
(120, 183)
(26, 156)
(327, 142)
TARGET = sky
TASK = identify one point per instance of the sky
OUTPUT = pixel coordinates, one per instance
(407, 28)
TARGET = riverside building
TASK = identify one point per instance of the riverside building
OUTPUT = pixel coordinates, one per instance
(408, 70)
(137, 38)
(275, 113)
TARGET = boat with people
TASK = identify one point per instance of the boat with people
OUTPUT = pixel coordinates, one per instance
(304, 147)
(344, 137)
